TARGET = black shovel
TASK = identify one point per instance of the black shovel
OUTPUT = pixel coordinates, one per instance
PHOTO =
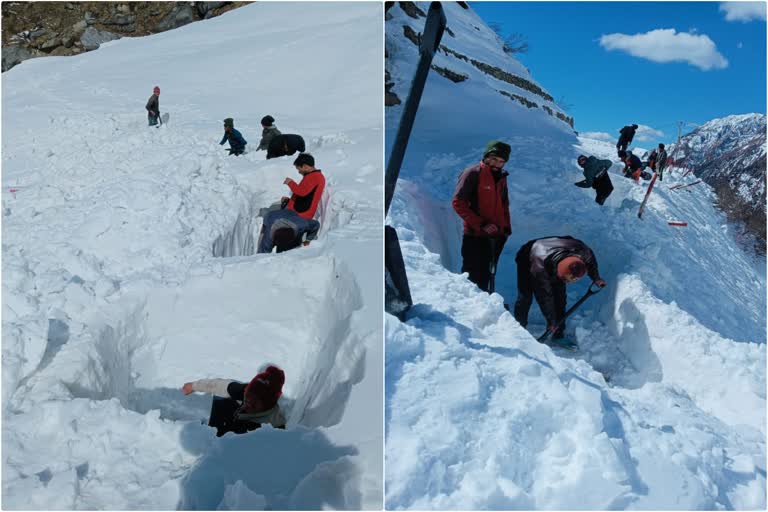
(492, 266)
(590, 292)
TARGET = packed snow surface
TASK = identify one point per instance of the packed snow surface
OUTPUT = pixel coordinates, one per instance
(128, 267)
(664, 405)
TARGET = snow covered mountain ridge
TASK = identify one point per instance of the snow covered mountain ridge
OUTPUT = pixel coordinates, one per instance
(730, 155)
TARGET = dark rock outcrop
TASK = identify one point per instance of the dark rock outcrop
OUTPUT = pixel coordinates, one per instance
(450, 75)
(37, 29)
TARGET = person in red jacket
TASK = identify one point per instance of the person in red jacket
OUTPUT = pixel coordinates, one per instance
(299, 209)
(482, 201)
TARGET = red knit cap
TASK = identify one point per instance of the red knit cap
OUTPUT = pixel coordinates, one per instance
(572, 266)
(266, 386)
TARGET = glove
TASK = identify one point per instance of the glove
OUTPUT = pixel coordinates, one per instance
(599, 282)
(490, 229)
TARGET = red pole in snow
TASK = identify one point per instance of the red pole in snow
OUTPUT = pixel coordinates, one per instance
(683, 186)
(686, 173)
(645, 199)
(677, 223)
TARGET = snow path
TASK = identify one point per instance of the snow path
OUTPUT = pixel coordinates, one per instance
(128, 269)
(663, 407)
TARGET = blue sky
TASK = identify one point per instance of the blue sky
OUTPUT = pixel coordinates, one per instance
(725, 71)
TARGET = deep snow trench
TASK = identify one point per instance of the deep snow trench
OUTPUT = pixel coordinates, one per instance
(129, 268)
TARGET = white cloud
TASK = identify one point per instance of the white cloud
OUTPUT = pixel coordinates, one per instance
(643, 134)
(668, 45)
(605, 137)
(647, 134)
(743, 11)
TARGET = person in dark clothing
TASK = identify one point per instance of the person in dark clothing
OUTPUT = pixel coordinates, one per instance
(652, 157)
(153, 107)
(239, 407)
(662, 161)
(299, 210)
(236, 141)
(596, 176)
(625, 139)
(285, 144)
(632, 165)
(544, 267)
(269, 131)
(482, 201)
(289, 232)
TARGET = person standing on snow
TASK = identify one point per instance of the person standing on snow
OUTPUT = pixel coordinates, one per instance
(544, 267)
(652, 157)
(269, 131)
(238, 407)
(285, 144)
(153, 107)
(662, 161)
(482, 201)
(625, 139)
(633, 167)
(236, 141)
(596, 177)
(300, 208)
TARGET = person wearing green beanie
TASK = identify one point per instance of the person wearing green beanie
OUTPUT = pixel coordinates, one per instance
(482, 201)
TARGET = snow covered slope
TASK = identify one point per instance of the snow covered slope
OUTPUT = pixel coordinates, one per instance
(128, 267)
(729, 155)
(664, 406)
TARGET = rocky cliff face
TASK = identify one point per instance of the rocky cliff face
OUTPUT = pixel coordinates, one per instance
(469, 52)
(38, 29)
(730, 155)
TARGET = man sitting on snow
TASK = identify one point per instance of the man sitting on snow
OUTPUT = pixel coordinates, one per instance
(284, 227)
(238, 407)
(544, 267)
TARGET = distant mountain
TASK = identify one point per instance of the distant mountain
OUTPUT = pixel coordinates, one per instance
(729, 155)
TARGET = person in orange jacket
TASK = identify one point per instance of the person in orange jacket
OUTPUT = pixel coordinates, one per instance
(299, 209)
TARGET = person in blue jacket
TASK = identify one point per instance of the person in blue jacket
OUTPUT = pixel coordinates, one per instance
(236, 141)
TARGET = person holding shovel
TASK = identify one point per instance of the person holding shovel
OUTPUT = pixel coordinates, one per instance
(482, 201)
(544, 267)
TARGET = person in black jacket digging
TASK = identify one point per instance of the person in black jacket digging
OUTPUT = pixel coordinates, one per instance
(544, 267)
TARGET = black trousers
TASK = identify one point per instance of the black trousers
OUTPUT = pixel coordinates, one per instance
(525, 291)
(621, 146)
(603, 187)
(476, 255)
(223, 417)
